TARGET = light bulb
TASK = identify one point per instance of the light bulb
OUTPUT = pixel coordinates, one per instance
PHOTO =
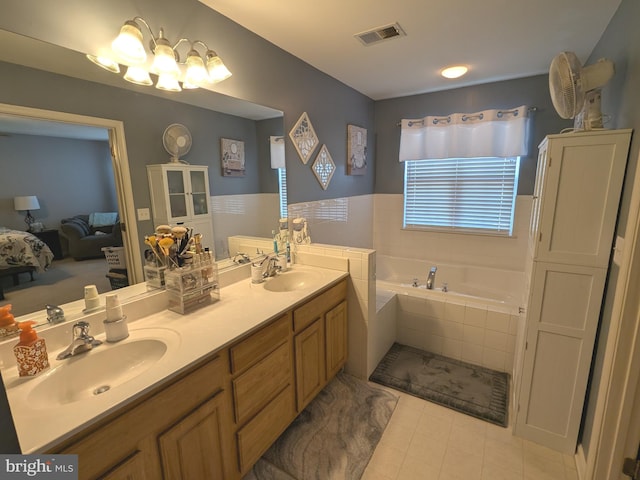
(454, 72)
(164, 60)
(138, 75)
(168, 82)
(128, 44)
(105, 62)
(196, 73)
(217, 69)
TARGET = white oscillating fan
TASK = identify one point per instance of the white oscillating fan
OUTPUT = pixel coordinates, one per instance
(576, 90)
(177, 141)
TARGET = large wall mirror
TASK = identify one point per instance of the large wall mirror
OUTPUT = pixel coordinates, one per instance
(237, 208)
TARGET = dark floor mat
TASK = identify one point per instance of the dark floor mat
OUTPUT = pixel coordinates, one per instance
(467, 388)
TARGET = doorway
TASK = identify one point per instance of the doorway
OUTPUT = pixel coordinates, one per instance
(120, 167)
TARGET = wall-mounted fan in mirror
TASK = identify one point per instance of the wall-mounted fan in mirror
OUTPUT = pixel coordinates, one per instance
(177, 141)
(576, 90)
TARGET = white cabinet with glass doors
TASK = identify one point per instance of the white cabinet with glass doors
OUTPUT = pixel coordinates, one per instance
(180, 196)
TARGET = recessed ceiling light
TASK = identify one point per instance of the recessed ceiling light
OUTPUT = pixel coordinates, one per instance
(454, 72)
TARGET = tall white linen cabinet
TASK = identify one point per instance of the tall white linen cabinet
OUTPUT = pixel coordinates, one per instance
(180, 196)
(575, 204)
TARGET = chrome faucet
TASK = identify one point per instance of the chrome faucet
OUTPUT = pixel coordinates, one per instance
(54, 314)
(431, 279)
(241, 258)
(82, 341)
(271, 267)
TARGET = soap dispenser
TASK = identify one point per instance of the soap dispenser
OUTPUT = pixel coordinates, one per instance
(8, 324)
(31, 351)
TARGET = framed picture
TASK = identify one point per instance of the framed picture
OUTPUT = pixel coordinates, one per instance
(304, 137)
(232, 157)
(324, 167)
(356, 150)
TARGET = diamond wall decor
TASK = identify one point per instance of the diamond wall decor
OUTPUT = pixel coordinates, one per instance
(323, 167)
(304, 137)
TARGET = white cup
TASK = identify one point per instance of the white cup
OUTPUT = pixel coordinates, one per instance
(90, 291)
(282, 262)
(91, 299)
(256, 274)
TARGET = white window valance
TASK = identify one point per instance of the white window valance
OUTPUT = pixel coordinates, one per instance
(490, 133)
(277, 152)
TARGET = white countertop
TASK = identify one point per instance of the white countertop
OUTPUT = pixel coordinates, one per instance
(243, 308)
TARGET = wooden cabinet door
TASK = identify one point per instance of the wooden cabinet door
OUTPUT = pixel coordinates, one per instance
(336, 338)
(131, 468)
(193, 448)
(310, 363)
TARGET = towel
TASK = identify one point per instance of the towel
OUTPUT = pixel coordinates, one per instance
(102, 219)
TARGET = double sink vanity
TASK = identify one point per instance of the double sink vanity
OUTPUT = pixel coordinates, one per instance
(202, 395)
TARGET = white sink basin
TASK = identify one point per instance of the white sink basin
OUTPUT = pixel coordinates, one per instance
(291, 281)
(100, 370)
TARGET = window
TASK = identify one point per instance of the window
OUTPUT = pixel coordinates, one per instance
(470, 195)
(282, 184)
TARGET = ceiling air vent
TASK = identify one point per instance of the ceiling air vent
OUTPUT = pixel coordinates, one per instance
(380, 34)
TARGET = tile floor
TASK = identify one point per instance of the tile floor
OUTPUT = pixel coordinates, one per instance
(425, 441)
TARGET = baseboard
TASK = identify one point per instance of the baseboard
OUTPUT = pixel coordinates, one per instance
(581, 463)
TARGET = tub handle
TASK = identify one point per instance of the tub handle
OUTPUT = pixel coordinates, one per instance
(415, 282)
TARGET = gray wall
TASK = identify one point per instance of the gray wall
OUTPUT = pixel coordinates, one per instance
(531, 91)
(68, 176)
(620, 99)
(145, 118)
(262, 73)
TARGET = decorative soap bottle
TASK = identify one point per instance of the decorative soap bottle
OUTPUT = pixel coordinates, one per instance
(31, 351)
(8, 324)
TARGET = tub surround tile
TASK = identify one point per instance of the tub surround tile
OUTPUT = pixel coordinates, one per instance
(435, 309)
(454, 312)
(498, 321)
(494, 359)
(452, 348)
(472, 353)
(514, 320)
(495, 340)
(433, 343)
(410, 304)
(473, 335)
(453, 330)
(476, 317)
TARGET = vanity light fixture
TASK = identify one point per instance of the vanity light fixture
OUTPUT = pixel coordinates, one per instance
(455, 71)
(173, 73)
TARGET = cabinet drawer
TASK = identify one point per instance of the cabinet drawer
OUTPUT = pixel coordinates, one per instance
(307, 313)
(259, 344)
(257, 386)
(258, 435)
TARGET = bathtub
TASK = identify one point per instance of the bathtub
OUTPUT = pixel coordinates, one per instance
(477, 319)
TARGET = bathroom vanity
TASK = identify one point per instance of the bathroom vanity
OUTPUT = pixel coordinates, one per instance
(234, 376)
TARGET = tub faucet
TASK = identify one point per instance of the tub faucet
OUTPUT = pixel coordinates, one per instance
(81, 342)
(431, 279)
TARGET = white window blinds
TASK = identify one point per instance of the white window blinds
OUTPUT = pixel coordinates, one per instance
(462, 194)
(282, 183)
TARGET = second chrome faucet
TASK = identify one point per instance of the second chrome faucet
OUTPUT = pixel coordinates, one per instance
(81, 342)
